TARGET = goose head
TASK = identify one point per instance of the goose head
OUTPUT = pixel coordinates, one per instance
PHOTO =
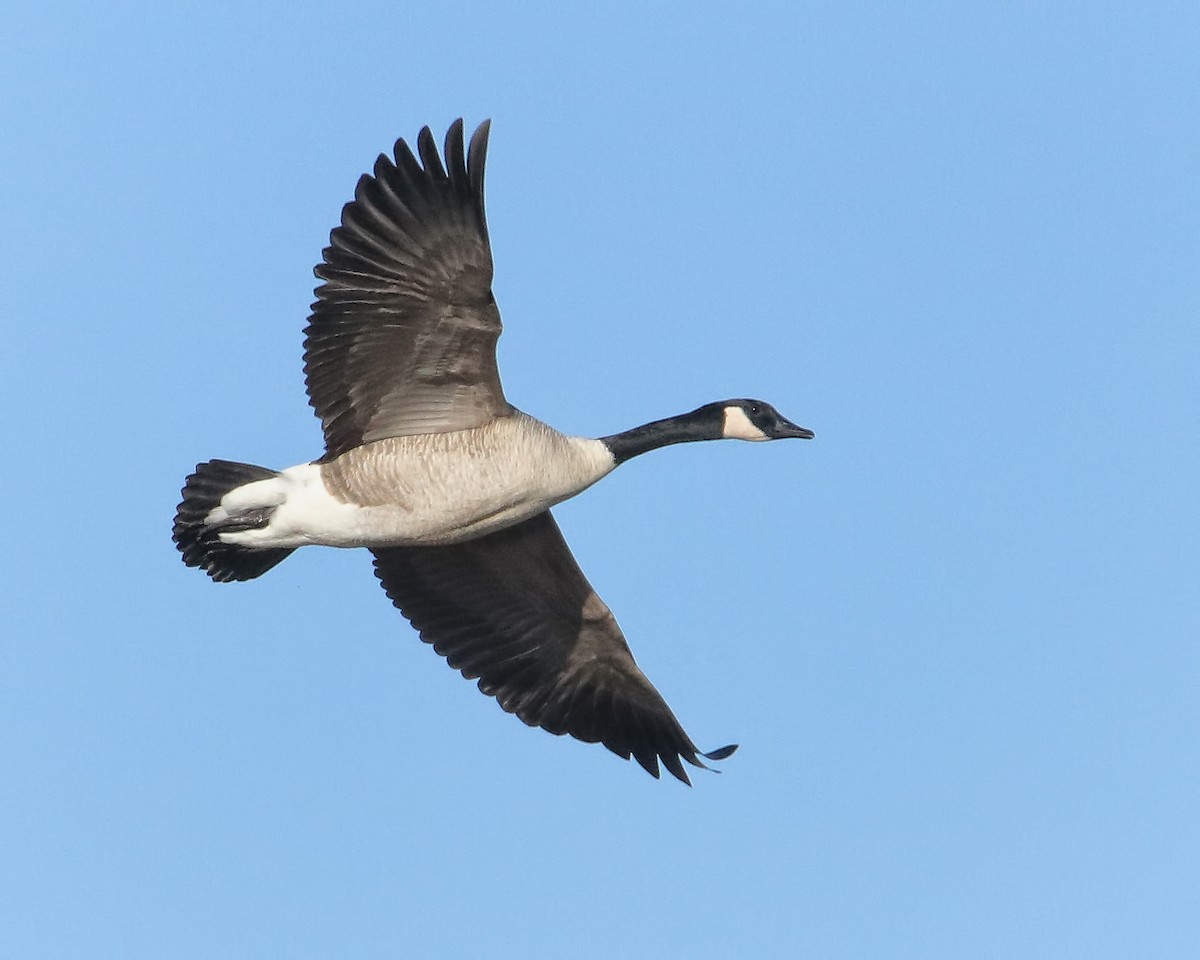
(756, 420)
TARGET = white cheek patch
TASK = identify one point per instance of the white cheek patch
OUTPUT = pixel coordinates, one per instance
(738, 426)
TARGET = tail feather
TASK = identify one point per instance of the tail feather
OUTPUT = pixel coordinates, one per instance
(200, 541)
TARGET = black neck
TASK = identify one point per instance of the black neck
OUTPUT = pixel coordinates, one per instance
(706, 423)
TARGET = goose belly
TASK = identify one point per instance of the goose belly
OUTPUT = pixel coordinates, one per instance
(442, 488)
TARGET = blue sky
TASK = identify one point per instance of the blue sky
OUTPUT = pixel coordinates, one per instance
(956, 635)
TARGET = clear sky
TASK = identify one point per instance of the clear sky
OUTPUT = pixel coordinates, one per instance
(956, 635)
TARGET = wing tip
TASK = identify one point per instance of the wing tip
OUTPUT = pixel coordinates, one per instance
(721, 753)
(476, 161)
(427, 148)
(672, 760)
(676, 768)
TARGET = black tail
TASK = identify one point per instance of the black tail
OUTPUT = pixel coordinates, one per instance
(200, 542)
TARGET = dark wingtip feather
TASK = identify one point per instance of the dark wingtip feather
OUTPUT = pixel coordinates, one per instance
(406, 163)
(476, 160)
(671, 762)
(477, 152)
(427, 147)
(721, 752)
(452, 149)
(648, 761)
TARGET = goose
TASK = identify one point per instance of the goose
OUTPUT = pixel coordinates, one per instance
(449, 486)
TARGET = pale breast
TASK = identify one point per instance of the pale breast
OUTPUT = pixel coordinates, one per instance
(440, 488)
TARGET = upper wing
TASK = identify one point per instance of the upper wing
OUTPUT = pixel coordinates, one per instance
(402, 337)
(513, 609)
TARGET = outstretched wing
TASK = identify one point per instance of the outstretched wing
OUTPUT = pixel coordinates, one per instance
(514, 610)
(402, 337)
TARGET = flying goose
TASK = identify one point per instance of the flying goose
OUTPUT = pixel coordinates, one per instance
(447, 484)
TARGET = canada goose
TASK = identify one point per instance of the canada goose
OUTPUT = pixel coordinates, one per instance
(449, 486)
